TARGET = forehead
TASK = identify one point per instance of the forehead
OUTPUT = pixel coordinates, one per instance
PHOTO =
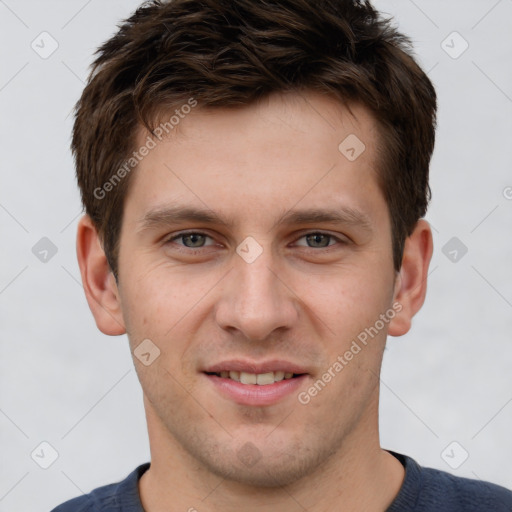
(285, 149)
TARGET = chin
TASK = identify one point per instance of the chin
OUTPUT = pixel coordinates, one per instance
(263, 474)
(269, 467)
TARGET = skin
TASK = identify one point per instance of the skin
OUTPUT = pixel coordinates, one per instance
(295, 302)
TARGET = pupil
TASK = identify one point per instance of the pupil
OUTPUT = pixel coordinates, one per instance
(193, 240)
(318, 240)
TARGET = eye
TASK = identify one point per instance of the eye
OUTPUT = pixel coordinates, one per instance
(192, 240)
(318, 240)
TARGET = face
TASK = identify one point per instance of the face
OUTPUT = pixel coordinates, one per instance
(252, 244)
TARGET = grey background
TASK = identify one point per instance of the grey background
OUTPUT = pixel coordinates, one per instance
(65, 383)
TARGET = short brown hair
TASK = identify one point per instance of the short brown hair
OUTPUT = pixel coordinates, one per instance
(229, 53)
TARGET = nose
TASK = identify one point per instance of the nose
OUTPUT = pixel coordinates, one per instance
(256, 300)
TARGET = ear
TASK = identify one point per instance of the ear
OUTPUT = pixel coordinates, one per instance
(411, 282)
(99, 283)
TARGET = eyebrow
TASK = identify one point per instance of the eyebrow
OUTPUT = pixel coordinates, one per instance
(166, 216)
(179, 214)
(343, 215)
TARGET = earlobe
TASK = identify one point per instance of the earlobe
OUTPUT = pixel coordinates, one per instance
(411, 283)
(98, 282)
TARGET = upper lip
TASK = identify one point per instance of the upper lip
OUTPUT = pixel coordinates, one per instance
(239, 365)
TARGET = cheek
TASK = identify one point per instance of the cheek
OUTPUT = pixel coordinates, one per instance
(350, 299)
(147, 311)
(165, 306)
(158, 313)
(150, 296)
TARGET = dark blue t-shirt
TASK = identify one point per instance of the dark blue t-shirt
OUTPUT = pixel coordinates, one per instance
(423, 490)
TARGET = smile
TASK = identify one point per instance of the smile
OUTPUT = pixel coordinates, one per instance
(256, 389)
(260, 379)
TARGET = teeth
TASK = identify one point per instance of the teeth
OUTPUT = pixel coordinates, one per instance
(265, 378)
(261, 379)
(278, 376)
(248, 378)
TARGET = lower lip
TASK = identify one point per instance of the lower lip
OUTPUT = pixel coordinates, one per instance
(253, 394)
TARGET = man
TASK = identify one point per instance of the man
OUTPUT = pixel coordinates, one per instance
(254, 175)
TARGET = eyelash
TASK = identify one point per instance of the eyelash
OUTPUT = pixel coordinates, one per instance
(192, 250)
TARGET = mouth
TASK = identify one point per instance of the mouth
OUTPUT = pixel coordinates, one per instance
(256, 384)
(259, 379)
